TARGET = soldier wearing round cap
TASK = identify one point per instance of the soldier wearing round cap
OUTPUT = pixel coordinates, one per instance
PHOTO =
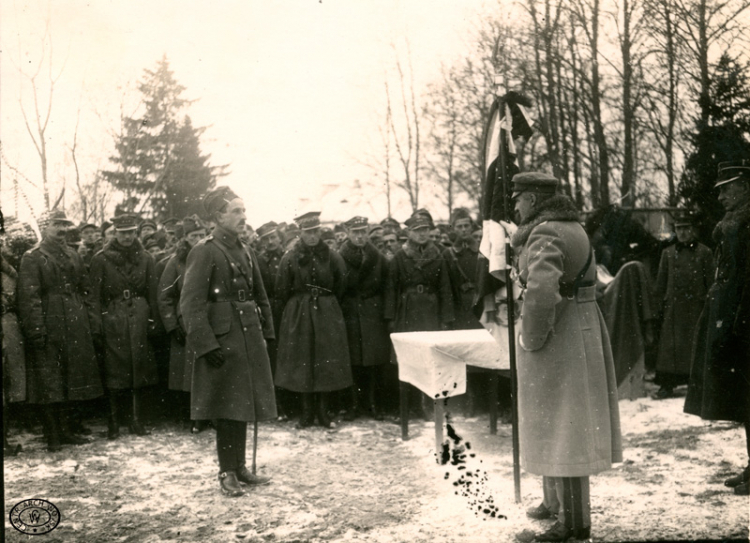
(228, 320)
(170, 232)
(719, 387)
(56, 316)
(363, 305)
(145, 229)
(313, 356)
(124, 287)
(418, 294)
(171, 283)
(272, 249)
(569, 424)
(686, 272)
(89, 247)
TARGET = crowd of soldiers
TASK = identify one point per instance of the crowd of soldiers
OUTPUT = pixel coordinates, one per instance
(92, 315)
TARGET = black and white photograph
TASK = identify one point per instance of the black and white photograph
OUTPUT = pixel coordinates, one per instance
(312, 271)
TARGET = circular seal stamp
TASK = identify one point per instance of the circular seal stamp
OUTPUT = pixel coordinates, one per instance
(34, 517)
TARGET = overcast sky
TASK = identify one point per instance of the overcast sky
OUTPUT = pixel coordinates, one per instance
(292, 90)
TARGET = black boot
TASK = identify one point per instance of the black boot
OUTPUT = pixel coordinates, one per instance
(75, 417)
(136, 427)
(66, 434)
(308, 413)
(374, 409)
(323, 418)
(229, 484)
(351, 411)
(244, 475)
(52, 427)
(737, 480)
(113, 424)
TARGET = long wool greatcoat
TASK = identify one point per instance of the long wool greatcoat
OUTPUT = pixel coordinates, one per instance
(224, 306)
(418, 295)
(685, 275)
(463, 261)
(313, 353)
(269, 262)
(363, 304)
(53, 303)
(569, 423)
(124, 287)
(719, 387)
(181, 358)
(14, 359)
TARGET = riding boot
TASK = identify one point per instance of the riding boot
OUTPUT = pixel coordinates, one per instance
(66, 434)
(113, 424)
(8, 448)
(308, 412)
(75, 418)
(351, 411)
(323, 419)
(136, 426)
(375, 411)
(52, 427)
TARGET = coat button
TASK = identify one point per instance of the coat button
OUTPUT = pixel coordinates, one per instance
(244, 328)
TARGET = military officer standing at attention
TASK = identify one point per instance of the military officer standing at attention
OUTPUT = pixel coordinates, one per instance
(719, 387)
(124, 284)
(56, 314)
(418, 294)
(363, 305)
(569, 424)
(313, 354)
(226, 311)
(271, 244)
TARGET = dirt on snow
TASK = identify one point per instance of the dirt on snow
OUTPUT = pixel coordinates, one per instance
(362, 483)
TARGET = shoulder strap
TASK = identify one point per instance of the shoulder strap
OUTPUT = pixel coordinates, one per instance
(582, 273)
(232, 260)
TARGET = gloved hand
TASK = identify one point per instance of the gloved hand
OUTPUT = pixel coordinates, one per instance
(39, 343)
(215, 358)
(179, 335)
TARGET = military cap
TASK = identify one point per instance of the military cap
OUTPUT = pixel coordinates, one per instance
(375, 230)
(85, 225)
(216, 199)
(536, 182)
(737, 170)
(169, 224)
(418, 221)
(423, 212)
(339, 228)
(266, 229)
(150, 242)
(54, 215)
(73, 236)
(144, 224)
(356, 223)
(191, 224)
(106, 225)
(308, 221)
(326, 233)
(390, 221)
(685, 218)
(126, 221)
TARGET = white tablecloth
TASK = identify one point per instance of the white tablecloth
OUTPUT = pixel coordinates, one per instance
(435, 362)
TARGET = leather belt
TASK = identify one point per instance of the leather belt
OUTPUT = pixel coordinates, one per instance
(420, 289)
(67, 288)
(241, 295)
(569, 290)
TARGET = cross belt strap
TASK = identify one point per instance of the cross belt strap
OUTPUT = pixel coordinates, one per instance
(569, 290)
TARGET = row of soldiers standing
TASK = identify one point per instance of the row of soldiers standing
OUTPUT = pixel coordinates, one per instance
(91, 321)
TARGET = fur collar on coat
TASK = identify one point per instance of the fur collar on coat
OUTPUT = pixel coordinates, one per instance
(732, 222)
(557, 208)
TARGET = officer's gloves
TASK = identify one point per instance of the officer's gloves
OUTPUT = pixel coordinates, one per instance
(215, 358)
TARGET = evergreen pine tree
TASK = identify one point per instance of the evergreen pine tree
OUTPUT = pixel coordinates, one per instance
(159, 165)
(726, 136)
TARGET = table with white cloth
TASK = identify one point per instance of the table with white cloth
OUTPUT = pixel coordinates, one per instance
(435, 363)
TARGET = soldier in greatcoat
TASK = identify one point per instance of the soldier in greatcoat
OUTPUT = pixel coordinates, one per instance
(363, 308)
(719, 387)
(227, 314)
(56, 315)
(181, 357)
(271, 243)
(418, 295)
(124, 287)
(686, 272)
(313, 356)
(569, 425)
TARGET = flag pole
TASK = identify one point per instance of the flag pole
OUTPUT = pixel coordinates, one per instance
(503, 182)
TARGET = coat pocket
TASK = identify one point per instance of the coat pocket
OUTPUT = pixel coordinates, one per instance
(220, 317)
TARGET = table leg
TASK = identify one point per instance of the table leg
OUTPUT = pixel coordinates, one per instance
(403, 393)
(438, 427)
(493, 383)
